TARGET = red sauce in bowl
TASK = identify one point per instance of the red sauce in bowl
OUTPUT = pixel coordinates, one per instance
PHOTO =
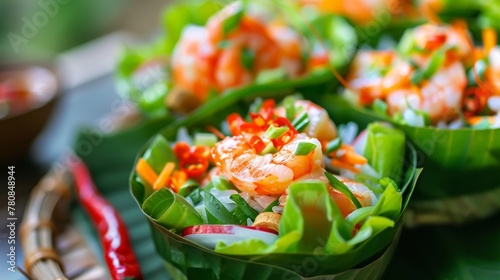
(22, 90)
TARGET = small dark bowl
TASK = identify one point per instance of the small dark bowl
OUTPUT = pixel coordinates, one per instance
(21, 126)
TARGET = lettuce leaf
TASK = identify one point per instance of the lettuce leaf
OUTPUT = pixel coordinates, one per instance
(384, 149)
(312, 222)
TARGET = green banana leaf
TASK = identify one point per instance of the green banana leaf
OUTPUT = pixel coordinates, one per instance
(197, 262)
(460, 179)
(338, 34)
(439, 252)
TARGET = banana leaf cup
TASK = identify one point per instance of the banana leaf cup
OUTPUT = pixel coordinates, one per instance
(145, 74)
(458, 144)
(459, 182)
(300, 252)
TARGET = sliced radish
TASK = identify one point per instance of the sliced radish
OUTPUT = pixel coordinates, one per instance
(210, 235)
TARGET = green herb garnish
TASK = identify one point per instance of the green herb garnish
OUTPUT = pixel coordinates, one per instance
(304, 148)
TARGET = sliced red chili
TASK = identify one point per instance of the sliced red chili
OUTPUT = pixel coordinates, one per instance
(283, 139)
(182, 150)
(267, 109)
(435, 41)
(257, 143)
(235, 121)
(194, 167)
(281, 121)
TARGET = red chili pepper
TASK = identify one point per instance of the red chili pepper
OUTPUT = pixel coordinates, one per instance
(119, 256)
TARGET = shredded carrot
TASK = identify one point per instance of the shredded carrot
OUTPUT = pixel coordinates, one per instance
(146, 172)
(351, 157)
(215, 131)
(164, 175)
(338, 163)
(489, 39)
(347, 147)
(177, 179)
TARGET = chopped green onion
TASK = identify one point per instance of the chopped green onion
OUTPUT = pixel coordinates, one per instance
(274, 132)
(247, 58)
(269, 149)
(301, 121)
(289, 104)
(232, 22)
(380, 107)
(417, 77)
(304, 148)
(407, 43)
(243, 205)
(341, 187)
(205, 139)
(333, 145)
(301, 126)
(269, 207)
(436, 60)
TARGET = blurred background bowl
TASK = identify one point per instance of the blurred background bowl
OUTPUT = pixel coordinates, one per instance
(28, 95)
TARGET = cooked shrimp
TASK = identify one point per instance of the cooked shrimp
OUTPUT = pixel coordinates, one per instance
(388, 77)
(267, 174)
(365, 196)
(229, 70)
(367, 75)
(250, 36)
(193, 62)
(440, 96)
(320, 125)
(291, 47)
(430, 37)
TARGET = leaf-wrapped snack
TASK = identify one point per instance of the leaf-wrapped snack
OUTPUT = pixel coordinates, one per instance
(319, 223)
